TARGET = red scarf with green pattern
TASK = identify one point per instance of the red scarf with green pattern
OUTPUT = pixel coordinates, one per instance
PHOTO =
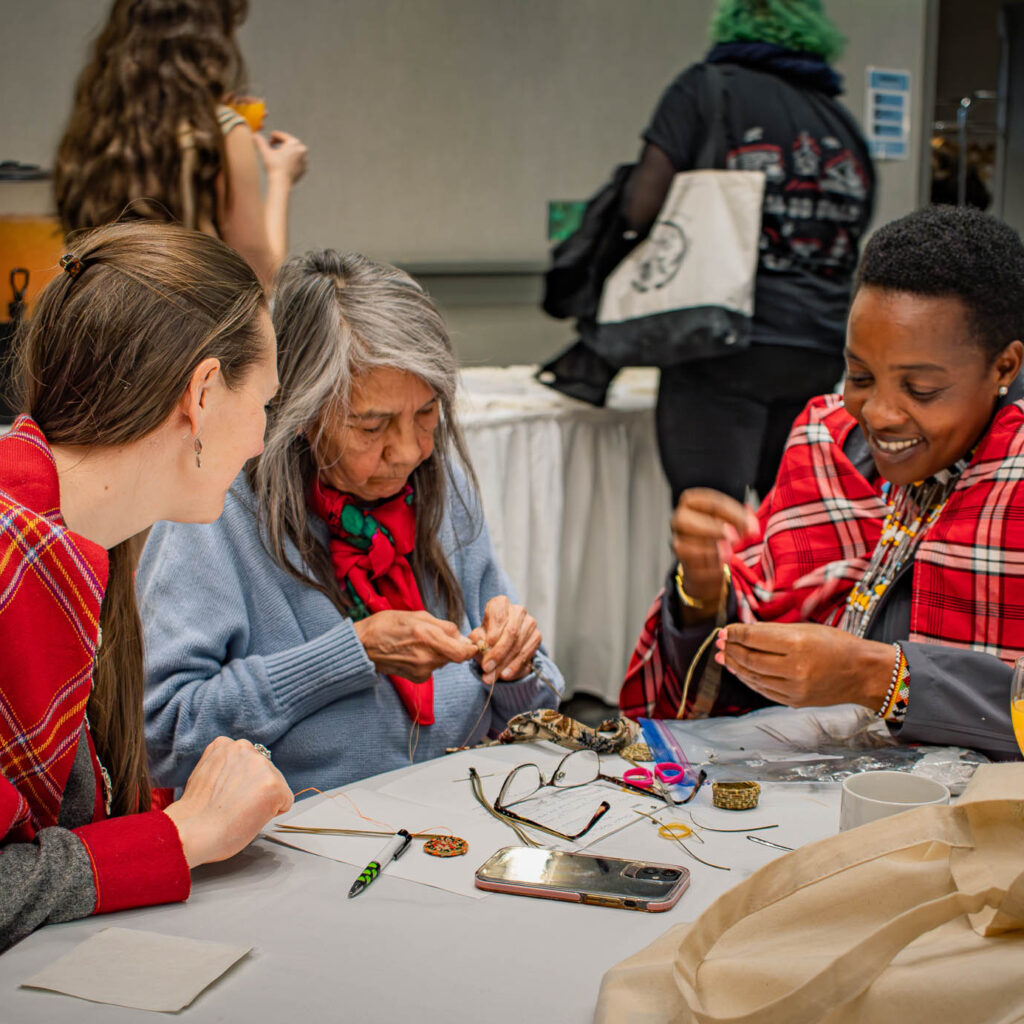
(370, 549)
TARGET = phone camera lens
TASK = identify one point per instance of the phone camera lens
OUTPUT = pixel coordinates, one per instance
(648, 872)
(670, 874)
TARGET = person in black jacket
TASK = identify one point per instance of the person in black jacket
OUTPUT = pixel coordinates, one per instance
(723, 422)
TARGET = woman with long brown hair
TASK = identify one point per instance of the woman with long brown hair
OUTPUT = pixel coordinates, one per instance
(150, 134)
(144, 374)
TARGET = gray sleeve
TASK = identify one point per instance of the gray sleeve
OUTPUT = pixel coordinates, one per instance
(43, 882)
(51, 878)
(201, 679)
(527, 694)
(959, 698)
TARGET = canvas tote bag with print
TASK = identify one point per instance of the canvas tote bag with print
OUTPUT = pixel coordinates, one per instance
(687, 291)
(912, 919)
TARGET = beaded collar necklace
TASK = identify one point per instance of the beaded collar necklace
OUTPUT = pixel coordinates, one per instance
(910, 511)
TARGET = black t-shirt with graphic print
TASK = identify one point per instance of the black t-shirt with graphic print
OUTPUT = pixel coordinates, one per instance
(819, 191)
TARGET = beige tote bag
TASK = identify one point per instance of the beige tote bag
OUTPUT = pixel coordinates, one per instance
(913, 919)
(702, 250)
(686, 292)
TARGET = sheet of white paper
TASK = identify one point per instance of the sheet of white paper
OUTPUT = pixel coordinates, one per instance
(445, 781)
(455, 874)
(139, 969)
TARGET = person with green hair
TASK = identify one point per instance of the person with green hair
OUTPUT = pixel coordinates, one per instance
(722, 422)
(796, 25)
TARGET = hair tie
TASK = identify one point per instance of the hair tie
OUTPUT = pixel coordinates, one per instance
(72, 265)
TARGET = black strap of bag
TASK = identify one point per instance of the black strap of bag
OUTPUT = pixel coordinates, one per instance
(712, 150)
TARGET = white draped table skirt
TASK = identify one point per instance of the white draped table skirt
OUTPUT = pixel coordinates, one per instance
(578, 510)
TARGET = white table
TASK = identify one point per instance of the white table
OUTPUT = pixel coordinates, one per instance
(578, 508)
(402, 951)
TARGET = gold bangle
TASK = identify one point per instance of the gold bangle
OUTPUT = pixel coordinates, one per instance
(693, 602)
(688, 602)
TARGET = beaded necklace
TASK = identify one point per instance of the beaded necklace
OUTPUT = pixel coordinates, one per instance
(910, 511)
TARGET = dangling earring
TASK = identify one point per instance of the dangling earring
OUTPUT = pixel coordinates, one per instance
(1003, 391)
(197, 446)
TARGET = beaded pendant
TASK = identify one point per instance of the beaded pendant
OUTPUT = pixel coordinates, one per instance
(446, 846)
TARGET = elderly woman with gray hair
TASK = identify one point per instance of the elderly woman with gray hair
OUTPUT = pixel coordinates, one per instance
(347, 609)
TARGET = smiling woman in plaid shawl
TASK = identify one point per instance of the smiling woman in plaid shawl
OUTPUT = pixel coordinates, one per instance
(145, 371)
(886, 565)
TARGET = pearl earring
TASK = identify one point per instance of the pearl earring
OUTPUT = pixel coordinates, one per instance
(197, 446)
(1003, 391)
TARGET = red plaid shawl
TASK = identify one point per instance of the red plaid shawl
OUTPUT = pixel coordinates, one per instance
(820, 524)
(51, 587)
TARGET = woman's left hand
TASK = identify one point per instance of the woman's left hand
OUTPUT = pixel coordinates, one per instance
(512, 639)
(804, 664)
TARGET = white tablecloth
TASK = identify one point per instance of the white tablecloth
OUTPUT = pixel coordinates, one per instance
(409, 952)
(578, 509)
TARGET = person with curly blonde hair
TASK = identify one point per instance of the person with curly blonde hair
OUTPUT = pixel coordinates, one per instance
(150, 134)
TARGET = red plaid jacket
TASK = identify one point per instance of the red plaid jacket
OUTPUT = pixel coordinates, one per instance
(819, 527)
(51, 587)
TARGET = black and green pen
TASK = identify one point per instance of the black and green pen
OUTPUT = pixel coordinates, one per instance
(391, 852)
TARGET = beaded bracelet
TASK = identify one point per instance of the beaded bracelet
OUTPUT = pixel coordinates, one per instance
(901, 698)
(893, 680)
(897, 697)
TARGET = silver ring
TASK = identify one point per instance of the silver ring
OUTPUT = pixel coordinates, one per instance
(260, 749)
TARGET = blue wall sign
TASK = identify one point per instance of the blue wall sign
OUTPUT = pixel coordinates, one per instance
(887, 120)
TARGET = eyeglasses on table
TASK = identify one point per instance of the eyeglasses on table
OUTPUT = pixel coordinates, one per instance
(526, 780)
(580, 768)
(577, 768)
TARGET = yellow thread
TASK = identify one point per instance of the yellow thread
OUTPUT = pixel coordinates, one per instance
(674, 830)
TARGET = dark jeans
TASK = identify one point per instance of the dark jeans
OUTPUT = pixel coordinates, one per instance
(723, 423)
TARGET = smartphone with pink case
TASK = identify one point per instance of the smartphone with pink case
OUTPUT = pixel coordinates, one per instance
(584, 878)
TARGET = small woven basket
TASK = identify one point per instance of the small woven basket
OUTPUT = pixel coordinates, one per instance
(735, 796)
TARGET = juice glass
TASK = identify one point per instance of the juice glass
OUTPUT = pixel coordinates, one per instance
(1017, 702)
(250, 106)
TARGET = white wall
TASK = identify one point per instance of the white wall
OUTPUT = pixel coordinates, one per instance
(438, 129)
(890, 34)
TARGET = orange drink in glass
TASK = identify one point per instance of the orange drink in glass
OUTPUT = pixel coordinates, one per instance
(253, 109)
(1017, 703)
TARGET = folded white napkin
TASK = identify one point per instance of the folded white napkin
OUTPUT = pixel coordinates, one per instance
(143, 970)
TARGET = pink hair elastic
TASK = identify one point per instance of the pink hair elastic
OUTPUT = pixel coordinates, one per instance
(667, 771)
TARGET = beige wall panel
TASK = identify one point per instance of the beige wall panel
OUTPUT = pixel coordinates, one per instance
(438, 129)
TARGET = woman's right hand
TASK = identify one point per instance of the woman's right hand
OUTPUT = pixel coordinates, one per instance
(231, 794)
(283, 155)
(412, 644)
(706, 525)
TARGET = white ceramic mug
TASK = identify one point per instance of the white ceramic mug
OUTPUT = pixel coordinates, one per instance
(871, 795)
